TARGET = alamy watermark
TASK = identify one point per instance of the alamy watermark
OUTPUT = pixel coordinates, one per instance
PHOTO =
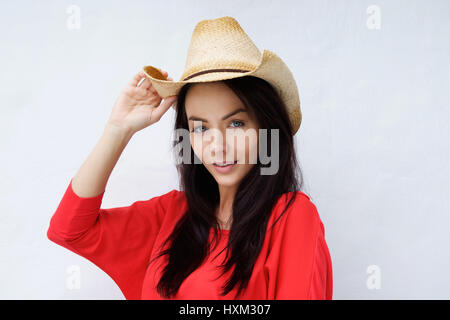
(374, 279)
(210, 143)
(73, 280)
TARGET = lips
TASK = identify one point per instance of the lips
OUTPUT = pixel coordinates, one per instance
(223, 164)
(224, 168)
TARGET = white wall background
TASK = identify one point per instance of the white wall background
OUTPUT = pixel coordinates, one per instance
(373, 145)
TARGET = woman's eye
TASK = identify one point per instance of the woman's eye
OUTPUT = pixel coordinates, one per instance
(239, 122)
(195, 129)
(238, 125)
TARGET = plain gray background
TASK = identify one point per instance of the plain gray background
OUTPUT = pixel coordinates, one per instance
(373, 144)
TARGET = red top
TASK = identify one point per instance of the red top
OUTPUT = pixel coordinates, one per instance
(294, 262)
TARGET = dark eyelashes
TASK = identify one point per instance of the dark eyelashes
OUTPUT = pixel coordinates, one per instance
(242, 123)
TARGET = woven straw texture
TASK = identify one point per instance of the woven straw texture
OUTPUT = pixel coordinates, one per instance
(220, 49)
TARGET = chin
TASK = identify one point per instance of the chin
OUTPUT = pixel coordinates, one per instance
(229, 179)
(227, 182)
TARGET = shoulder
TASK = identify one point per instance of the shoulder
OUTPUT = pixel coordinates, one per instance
(170, 195)
(164, 201)
(302, 213)
(175, 197)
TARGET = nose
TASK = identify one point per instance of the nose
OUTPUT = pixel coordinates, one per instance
(219, 148)
(217, 143)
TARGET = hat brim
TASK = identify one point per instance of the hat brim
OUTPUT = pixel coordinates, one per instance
(270, 68)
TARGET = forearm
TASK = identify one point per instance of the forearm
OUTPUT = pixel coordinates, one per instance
(92, 177)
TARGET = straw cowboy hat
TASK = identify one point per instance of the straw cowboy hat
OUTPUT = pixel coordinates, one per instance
(220, 49)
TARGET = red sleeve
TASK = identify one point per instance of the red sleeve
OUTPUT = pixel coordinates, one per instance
(117, 240)
(299, 264)
(321, 287)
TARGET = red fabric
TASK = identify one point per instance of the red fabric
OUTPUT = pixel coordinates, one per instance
(294, 262)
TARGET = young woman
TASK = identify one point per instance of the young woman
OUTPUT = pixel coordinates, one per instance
(239, 228)
(273, 230)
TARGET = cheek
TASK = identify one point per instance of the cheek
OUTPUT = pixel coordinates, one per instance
(196, 146)
(252, 151)
(248, 146)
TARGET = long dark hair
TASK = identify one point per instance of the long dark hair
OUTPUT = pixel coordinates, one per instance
(254, 199)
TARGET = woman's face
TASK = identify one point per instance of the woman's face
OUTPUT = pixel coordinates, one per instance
(221, 130)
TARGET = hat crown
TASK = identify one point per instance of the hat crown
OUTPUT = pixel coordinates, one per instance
(220, 44)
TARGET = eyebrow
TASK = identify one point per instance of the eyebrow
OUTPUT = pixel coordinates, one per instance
(224, 118)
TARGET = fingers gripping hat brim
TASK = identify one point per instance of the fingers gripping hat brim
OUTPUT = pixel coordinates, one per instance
(270, 68)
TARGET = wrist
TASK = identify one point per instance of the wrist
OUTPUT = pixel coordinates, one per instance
(120, 131)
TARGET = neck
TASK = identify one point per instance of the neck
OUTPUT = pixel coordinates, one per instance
(224, 211)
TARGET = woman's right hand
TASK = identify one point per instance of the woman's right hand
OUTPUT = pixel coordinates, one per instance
(137, 107)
